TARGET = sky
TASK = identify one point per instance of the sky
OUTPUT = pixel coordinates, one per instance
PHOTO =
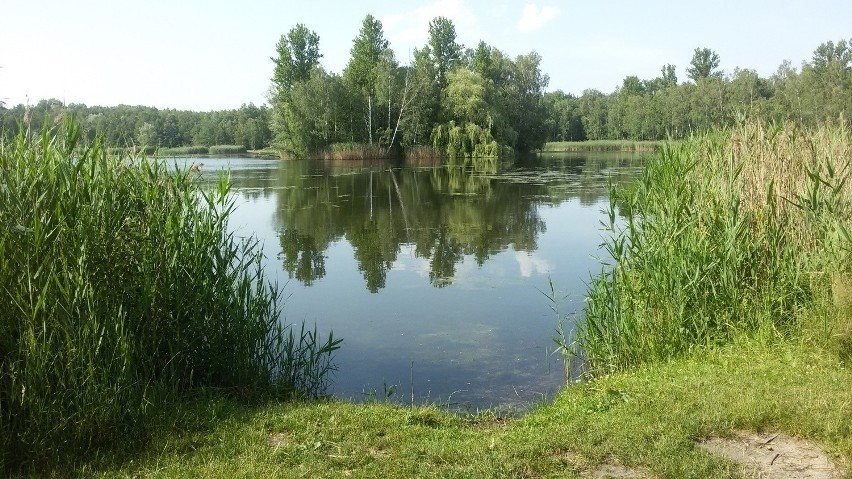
(207, 55)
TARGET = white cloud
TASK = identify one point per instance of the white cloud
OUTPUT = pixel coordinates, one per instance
(529, 264)
(534, 17)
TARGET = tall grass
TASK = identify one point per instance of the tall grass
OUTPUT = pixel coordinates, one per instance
(737, 232)
(227, 149)
(353, 151)
(603, 145)
(122, 288)
(183, 150)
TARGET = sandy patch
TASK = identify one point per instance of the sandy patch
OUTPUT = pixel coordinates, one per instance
(611, 468)
(774, 456)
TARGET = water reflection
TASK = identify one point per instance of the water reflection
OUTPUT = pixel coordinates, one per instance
(444, 213)
(432, 274)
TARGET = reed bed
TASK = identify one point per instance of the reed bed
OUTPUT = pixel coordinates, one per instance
(736, 233)
(603, 145)
(122, 289)
(227, 150)
(183, 151)
(353, 151)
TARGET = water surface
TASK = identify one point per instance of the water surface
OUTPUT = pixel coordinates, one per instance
(433, 275)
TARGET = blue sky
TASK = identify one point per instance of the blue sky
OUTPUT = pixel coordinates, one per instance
(213, 54)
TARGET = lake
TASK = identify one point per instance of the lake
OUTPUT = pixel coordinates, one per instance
(433, 275)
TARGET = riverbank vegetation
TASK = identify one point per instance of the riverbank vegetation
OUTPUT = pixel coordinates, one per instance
(743, 232)
(122, 291)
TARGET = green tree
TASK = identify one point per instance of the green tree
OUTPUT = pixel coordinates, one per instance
(298, 53)
(704, 64)
(444, 50)
(361, 73)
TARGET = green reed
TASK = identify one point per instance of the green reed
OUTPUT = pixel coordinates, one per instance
(122, 288)
(227, 150)
(733, 233)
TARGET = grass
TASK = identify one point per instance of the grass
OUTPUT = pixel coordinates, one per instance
(183, 151)
(603, 145)
(227, 150)
(202, 150)
(734, 233)
(122, 289)
(353, 151)
(648, 418)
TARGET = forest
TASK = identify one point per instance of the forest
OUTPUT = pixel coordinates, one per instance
(462, 101)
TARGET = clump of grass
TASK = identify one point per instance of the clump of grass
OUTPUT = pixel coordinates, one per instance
(183, 150)
(227, 150)
(603, 145)
(121, 288)
(352, 151)
(732, 233)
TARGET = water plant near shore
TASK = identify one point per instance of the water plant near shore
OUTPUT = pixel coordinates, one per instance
(122, 288)
(735, 232)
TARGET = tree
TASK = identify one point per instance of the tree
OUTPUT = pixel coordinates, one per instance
(669, 77)
(445, 52)
(704, 64)
(361, 73)
(298, 56)
(298, 53)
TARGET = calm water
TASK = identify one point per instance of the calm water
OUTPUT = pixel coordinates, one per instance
(432, 275)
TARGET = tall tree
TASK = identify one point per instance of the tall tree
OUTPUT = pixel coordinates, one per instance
(298, 53)
(669, 77)
(362, 71)
(445, 52)
(298, 56)
(704, 64)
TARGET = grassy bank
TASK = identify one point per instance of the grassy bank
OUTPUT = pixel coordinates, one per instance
(649, 418)
(602, 145)
(121, 290)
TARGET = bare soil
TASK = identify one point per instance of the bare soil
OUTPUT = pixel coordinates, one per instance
(774, 456)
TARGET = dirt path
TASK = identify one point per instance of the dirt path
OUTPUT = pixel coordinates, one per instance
(774, 456)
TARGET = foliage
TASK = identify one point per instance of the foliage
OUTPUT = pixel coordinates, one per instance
(704, 64)
(734, 233)
(298, 54)
(122, 288)
(378, 102)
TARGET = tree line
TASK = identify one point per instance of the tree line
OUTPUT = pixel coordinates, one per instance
(661, 107)
(463, 102)
(125, 125)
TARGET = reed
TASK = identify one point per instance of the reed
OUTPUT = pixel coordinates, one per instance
(227, 150)
(603, 145)
(353, 151)
(183, 151)
(733, 233)
(121, 289)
